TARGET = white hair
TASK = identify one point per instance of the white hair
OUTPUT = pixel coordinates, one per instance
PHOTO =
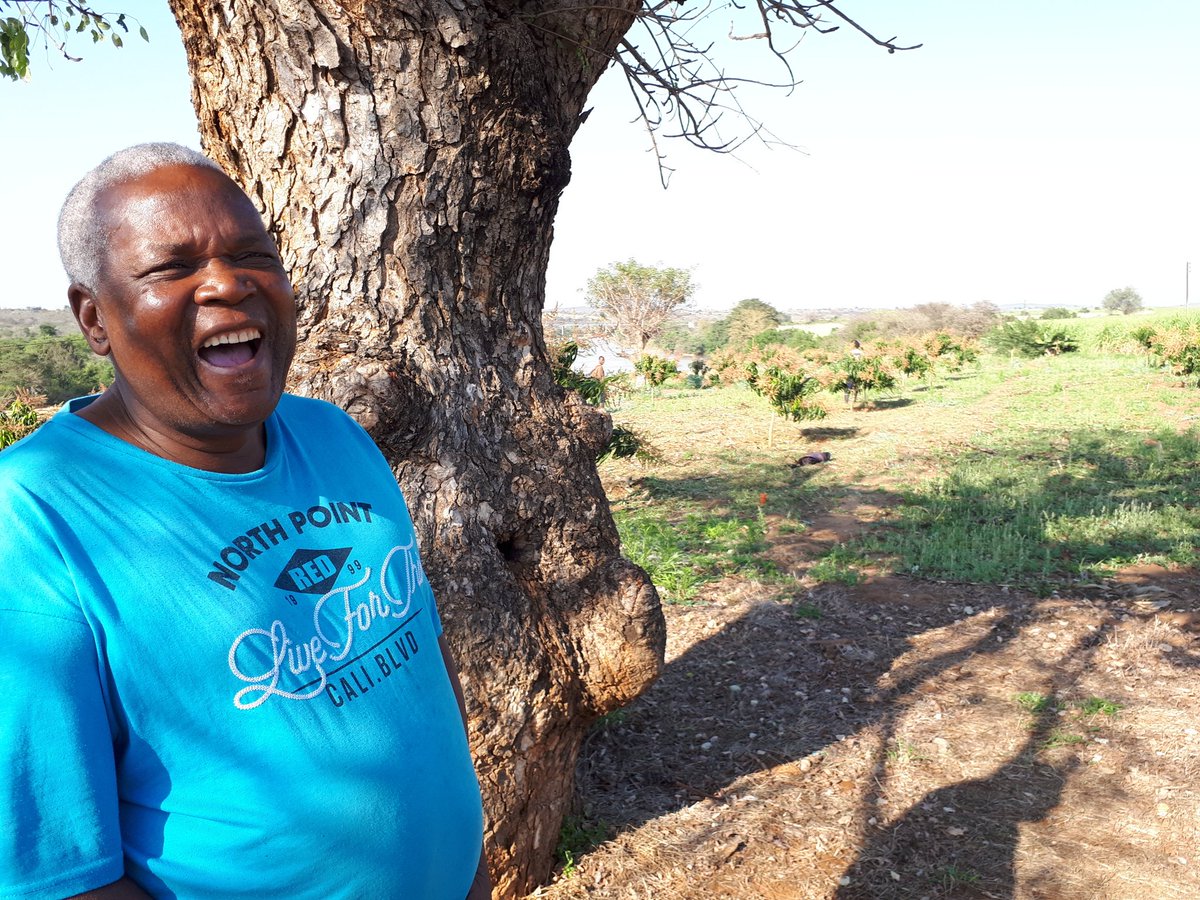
(81, 241)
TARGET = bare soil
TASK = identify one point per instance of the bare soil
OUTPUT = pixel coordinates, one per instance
(876, 748)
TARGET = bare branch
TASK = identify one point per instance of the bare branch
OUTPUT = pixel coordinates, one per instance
(676, 80)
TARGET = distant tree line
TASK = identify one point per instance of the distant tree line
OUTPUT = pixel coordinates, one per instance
(57, 367)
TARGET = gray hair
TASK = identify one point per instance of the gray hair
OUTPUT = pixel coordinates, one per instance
(81, 242)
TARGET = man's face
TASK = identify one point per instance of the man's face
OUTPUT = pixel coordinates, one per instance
(194, 305)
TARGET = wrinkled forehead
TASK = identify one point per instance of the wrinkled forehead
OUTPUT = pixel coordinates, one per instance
(175, 205)
(197, 187)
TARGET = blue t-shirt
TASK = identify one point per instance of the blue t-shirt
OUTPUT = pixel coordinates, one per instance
(224, 685)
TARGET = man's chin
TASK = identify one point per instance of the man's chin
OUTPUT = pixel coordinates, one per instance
(243, 410)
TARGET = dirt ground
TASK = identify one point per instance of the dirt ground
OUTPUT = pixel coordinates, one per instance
(866, 741)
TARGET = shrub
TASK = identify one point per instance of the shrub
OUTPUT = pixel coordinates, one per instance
(1029, 338)
(58, 368)
(796, 338)
(790, 393)
(785, 378)
(17, 419)
(1179, 346)
(656, 369)
(854, 375)
(1058, 312)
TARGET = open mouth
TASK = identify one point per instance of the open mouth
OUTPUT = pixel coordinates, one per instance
(234, 348)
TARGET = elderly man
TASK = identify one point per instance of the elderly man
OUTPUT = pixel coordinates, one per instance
(223, 672)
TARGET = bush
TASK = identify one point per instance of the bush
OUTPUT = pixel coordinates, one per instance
(1179, 346)
(796, 338)
(656, 369)
(1058, 312)
(58, 368)
(787, 380)
(17, 419)
(870, 373)
(1028, 338)
(790, 393)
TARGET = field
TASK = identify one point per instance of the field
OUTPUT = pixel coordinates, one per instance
(956, 660)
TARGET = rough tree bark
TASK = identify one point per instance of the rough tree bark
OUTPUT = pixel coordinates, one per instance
(410, 157)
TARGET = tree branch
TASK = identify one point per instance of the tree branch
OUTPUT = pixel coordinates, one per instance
(675, 79)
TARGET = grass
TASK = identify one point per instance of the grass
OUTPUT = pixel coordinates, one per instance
(1097, 706)
(1057, 738)
(1032, 702)
(1066, 468)
(955, 876)
(806, 611)
(903, 751)
(683, 554)
(1058, 504)
(1055, 492)
(576, 837)
(839, 566)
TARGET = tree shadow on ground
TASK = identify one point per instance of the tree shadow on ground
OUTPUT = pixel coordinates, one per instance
(777, 674)
(963, 837)
(892, 403)
(779, 683)
(820, 433)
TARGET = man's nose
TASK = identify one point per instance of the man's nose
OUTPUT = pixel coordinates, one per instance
(223, 282)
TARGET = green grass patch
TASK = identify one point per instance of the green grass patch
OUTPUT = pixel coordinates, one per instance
(806, 611)
(576, 837)
(839, 566)
(1058, 738)
(1031, 701)
(954, 876)
(1098, 706)
(683, 554)
(1057, 505)
(903, 751)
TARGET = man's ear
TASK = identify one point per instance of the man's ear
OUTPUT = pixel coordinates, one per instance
(90, 319)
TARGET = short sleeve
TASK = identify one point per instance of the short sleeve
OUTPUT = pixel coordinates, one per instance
(60, 834)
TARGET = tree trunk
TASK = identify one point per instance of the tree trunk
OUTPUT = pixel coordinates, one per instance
(409, 157)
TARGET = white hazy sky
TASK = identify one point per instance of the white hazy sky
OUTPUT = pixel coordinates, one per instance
(1030, 152)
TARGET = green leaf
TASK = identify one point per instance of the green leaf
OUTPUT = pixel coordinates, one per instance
(145, 34)
(117, 42)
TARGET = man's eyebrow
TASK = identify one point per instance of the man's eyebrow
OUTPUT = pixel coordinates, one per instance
(188, 248)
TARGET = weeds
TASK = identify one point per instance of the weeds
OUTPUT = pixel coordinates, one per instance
(1096, 706)
(954, 876)
(576, 837)
(1032, 702)
(838, 566)
(903, 751)
(1059, 738)
(806, 611)
(614, 719)
(681, 556)
(1060, 505)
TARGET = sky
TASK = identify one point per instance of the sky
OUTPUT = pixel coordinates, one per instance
(1028, 153)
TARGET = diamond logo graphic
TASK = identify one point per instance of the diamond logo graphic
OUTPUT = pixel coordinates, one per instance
(312, 571)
